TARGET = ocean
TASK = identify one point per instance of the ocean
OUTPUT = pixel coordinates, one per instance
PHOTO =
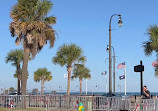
(103, 93)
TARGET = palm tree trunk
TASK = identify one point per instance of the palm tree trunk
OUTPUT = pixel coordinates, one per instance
(24, 69)
(69, 68)
(42, 86)
(18, 78)
(18, 87)
(24, 74)
(80, 86)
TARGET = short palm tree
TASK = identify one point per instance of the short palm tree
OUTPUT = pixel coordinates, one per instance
(69, 55)
(32, 27)
(16, 57)
(11, 90)
(42, 75)
(35, 91)
(152, 45)
(81, 72)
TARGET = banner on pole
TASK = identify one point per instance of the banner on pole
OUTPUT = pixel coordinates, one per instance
(154, 63)
(65, 75)
(122, 77)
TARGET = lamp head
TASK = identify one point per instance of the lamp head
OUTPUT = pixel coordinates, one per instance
(120, 23)
(107, 49)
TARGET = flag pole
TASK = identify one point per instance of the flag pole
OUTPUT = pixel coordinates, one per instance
(125, 80)
(86, 86)
(106, 83)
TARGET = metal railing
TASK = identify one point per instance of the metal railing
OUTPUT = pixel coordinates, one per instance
(70, 103)
(145, 105)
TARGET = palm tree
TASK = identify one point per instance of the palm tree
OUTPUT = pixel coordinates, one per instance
(42, 75)
(11, 90)
(32, 28)
(16, 57)
(81, 72)
(16, 74)
(35, 91)
(19, 76)
(68, 55)
(151, 45)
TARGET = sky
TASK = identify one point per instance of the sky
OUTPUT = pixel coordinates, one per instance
(86, 23)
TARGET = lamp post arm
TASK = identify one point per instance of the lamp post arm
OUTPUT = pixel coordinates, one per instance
(111, 20)
(113, 50)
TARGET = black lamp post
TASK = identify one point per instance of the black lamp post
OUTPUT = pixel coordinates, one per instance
(110, 61)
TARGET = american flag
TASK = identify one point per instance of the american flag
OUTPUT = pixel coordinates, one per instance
(121, 66)
(122, 77)
(154, 63)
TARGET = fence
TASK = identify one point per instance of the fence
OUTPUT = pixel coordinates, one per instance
(146, 105)
(70, 103)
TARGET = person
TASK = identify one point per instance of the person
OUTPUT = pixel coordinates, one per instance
(146, 93)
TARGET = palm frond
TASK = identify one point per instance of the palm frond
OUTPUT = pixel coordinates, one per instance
(50, 20)
(68, 54)
(80, 71)
(15, 57)
(82, 59)
(147, 48)
(32, 25)
(152, 44)
(15, 76)
(42, 74)
(153, 34)
(44, 8)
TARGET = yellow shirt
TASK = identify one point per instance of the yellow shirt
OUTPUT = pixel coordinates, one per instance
(80, 108)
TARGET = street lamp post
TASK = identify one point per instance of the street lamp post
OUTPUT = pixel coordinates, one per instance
(113, 67)
(110, 62)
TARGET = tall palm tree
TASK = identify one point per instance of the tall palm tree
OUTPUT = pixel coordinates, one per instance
(69, 55)
(151, 45)
(32, 27)
(81, 72)
(42, 75)
(16, 57)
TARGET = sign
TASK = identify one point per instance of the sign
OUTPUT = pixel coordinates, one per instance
(139, 68)
(65, 75)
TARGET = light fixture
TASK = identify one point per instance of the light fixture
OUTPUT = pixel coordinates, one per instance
(107, 49)
(120, 23)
